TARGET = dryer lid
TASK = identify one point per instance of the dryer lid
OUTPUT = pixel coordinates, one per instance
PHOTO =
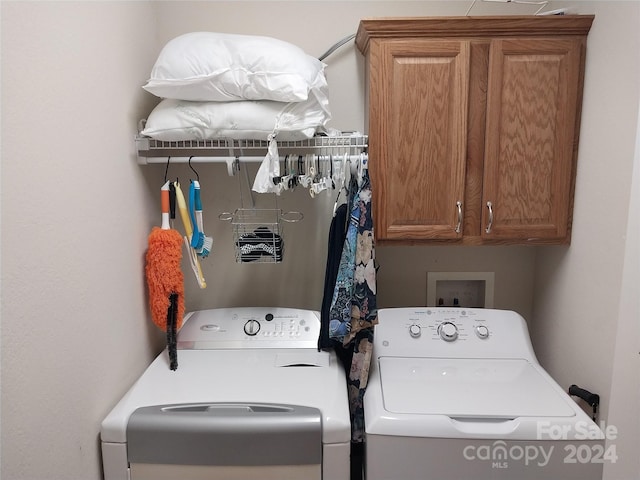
(470, 388)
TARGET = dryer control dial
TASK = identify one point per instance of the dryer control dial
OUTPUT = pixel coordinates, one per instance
(415, 330)
(252, 327)
(448, 331)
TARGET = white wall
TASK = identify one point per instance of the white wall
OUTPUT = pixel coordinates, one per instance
(75, 328)
(75, 217)
(625, 390)
(577, 289)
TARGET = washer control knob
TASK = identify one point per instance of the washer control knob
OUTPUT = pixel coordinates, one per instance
(252, 327)
(448, 331)
(482, 331)
(415, 330)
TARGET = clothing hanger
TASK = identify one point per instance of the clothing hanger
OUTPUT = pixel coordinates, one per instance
(362, 166)
(172, 194)
(333, 182)
(166, 169)
(305, 176)
(355, 167)
(338, 174)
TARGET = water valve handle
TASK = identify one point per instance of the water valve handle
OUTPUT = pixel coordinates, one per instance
(593, 399)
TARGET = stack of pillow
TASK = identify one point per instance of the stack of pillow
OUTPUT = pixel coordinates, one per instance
(228, 86)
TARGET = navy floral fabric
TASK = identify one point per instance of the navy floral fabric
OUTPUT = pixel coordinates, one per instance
(364, 310)
(340, 311)
(353, 312)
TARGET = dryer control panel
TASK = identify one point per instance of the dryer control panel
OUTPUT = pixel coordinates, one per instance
(250, 327)
(452, 332)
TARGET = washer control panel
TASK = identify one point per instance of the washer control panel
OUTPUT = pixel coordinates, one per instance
(448, 325)
(452, 331)
(250, 327)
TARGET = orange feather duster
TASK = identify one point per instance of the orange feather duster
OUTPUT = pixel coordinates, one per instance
(165, 278)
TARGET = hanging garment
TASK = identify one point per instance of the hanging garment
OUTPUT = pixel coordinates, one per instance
(364, 309)
(357, 378)
(353, 312)
(340, 311)
(337, 233)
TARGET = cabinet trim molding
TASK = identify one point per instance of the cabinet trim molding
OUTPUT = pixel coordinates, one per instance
(482, 26)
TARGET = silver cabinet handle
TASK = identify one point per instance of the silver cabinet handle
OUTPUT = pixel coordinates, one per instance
(490, 207)
(459, 225)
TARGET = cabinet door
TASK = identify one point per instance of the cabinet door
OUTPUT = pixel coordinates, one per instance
(532, 115)
(417, 127)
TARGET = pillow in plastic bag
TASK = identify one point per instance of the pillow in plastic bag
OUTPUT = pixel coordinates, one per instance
(176, 120)
(220, 67)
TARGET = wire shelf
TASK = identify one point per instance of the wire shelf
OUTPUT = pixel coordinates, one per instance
(157, 151)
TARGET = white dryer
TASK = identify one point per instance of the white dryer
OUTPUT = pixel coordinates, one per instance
(252, 398)
(457, 394)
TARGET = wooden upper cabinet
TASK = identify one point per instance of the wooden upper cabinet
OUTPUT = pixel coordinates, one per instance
(422, 97)
(531, 122)
(473, 126)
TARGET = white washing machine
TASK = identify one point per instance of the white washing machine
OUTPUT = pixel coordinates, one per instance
(252, 398)
(457, 394)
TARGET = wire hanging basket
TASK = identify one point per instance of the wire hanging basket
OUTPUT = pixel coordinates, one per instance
(258, 234)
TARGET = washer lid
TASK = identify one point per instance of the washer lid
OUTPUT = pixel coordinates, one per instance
(258, 376)
(471, 388)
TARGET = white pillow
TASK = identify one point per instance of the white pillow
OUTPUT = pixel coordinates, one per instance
(175, 120)
(207, 66)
